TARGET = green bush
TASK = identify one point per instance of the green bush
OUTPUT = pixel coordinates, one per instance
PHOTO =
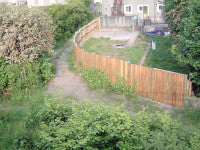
(19, 77)
(96, 126)
(184, 22)
(96, 78)
(51, 123)
(69, 18)
(121, 86)
(54, 110)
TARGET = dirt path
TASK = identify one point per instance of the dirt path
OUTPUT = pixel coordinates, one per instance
(145, 54)
(66, 83)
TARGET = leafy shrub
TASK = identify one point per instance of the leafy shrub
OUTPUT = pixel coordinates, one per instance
(16, 77)
(96, 126)
(96, 78)
(25, 34)
(54, 110)
(121, 86)
(69, 18)
(184, 22)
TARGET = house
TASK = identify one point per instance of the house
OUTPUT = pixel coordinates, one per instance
(143, 9)
(98, 1)
(32, 3)
(15, 2)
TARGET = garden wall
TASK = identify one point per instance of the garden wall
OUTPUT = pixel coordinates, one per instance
(118, 21)
(160, 85)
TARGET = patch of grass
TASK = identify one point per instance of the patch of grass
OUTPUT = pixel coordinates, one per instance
(104, 46)
(18, 125)
(60, 44)
(70, 60)
(162, 57)
(189, 115)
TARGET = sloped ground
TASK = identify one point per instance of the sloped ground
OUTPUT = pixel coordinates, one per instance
(66, 83)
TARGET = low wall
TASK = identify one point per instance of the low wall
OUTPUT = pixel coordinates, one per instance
(118, 21)
(163, 86)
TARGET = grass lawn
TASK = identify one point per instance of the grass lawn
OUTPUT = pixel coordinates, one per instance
(162, 58)
(104, 46)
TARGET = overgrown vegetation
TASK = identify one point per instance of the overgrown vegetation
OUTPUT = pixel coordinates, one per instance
(58, 124)
(25, 34)
(18, 122)
(70, 17)
(16, 78)
(184, 22)
(189, 115)
(105, 46)
(26, 40)
(98, 126)
(162, 58)
(98, 79)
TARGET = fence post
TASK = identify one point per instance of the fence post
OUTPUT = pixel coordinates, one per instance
(80, 37)
(90, 30)
(186, 80)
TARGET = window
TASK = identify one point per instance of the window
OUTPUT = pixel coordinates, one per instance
(36, 2)
(159, 7)
(145, 10)
(140, 8)
(127, 9)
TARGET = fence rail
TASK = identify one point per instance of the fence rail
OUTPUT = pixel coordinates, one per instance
(160, 85)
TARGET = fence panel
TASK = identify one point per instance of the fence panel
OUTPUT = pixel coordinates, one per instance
(160, 85)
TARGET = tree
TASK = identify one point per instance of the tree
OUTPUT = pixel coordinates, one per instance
(85, 2)
(184, 20)
(69, 18)
(25, 34)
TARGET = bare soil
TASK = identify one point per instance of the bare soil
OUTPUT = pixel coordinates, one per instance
(67, 83)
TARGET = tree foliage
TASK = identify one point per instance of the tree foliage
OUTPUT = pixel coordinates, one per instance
(68, 18)
(85, 2)
(25, 34)
(184, 20)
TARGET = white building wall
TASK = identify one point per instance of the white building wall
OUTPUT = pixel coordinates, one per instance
(44, 2)
(98, 1)
(9, 1)
(153, 11)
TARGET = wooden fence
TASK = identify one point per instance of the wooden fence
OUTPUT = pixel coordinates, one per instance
(160, 85)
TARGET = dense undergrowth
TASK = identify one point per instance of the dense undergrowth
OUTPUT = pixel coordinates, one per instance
(53, 123)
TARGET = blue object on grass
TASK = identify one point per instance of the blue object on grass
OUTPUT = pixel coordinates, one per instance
(155, 31)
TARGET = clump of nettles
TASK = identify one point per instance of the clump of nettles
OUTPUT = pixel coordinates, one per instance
(25, 33)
